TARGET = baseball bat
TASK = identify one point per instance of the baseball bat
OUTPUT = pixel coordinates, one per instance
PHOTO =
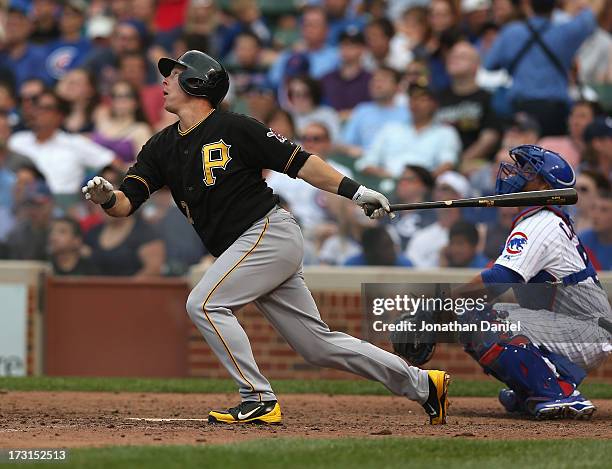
(518, 199)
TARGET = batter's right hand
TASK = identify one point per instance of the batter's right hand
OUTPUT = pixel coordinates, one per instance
(367, 198)
(98, 190)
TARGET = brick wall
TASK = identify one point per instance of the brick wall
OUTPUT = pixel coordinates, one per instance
(342, 312)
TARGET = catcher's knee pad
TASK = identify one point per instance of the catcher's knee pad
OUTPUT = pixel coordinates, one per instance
(521, 365)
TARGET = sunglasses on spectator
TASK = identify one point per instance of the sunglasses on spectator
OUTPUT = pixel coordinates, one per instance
(315, 138)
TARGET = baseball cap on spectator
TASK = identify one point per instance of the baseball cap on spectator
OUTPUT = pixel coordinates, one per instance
(601, 127)
(352, 34)
(456, 181)
(259, 85)
(100, 26)
(297, 64)
(524, 123)
(37, 193)
(470, 6)
(19, 6)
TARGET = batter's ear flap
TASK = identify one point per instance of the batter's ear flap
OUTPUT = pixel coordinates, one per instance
(194, 84)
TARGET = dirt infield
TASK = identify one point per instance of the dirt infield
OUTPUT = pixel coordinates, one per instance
(71, 419)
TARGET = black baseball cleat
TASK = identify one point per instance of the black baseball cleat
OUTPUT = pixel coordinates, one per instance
(248, 412)
(437, 402)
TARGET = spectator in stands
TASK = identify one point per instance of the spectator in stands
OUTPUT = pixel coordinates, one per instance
(378, 249)
(28, 239)
(45, 21)
(588, 184)
(347, 86)
(505, 11)
(378, 35)
(425, 247)
(414, 185)
(368, 118)
(133, 69)
(466, 106)
(29, 91)
(598, 153)
(341, 16)
(260, 100)
(572, 146)
(423, 143)
(78, 87)
(8, 102)
(19, 56)
(129, 36)
(444, 16)
(245, 64)
(123, 128)
(65, 246)
(60, 156)
(413, 32)
(308, 204)
(595, 55)
(71, 48)
(125, 246)
(475, 15)
(305, 105)
(281, 122)
(322, 58)
(9, 162)
(523, 129)
(248, 18)
(203, 20)
(528, 62)
(495, 232)
(462, 248)
(598, 240)
(182, 244)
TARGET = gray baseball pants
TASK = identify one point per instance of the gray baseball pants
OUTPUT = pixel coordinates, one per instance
(264, 266)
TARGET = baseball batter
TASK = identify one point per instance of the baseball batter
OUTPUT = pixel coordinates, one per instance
(564, 313)
(212, 162)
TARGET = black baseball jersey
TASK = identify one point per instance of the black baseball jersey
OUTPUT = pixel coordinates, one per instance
(214, 171)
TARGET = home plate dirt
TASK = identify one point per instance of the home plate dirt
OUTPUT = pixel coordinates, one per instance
(71, 419)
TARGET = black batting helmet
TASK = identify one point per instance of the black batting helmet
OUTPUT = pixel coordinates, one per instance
(203, 77)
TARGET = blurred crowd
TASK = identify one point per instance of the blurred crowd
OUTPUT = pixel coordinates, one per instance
(420, 99)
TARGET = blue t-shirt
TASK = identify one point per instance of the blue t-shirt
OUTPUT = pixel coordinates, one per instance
(535, 76)
(30, 65)
(368, 118)
(603, 252)
(63, 56)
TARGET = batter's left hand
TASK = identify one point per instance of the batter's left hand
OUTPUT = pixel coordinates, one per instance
(365, 196)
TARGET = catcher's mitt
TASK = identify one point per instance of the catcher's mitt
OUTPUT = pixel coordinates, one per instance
(415, 346)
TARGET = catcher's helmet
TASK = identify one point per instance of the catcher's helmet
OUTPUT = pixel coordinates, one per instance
(203, 77)
(529, 162)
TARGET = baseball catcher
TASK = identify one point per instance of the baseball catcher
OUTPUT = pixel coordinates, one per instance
(562, 316)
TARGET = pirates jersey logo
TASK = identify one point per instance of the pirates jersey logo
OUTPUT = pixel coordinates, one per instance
(214, 156)
(279, 137)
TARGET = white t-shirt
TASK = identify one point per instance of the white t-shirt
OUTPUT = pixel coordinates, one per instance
(424, 247)
(62, 159)
(305, 201)
(542, 241)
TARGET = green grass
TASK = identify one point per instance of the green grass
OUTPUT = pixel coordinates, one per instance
(459, 387)
(354, 453)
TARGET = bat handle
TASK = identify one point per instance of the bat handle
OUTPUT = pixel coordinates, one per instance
(369, 209)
